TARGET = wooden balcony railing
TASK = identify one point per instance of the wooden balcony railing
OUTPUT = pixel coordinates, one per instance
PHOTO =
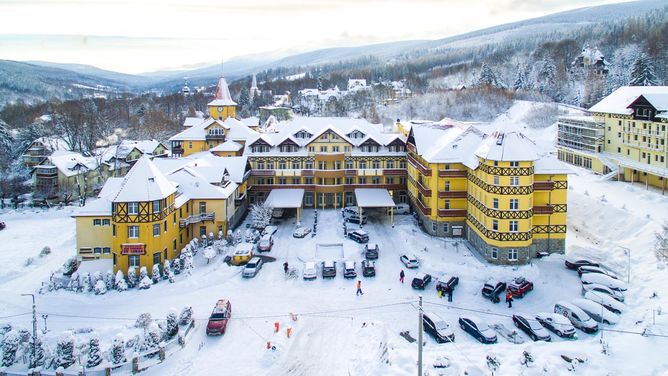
(394, 171)
(543, 185)
(196, 218)
(452, 212)
(422, 168)
(423, 208)
(543, 209)
(452, 173)
(452, 194)
(255, 172)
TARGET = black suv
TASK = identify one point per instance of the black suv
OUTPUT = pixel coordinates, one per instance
(368, 268)
(421, 281)
(492, 292)
(359, 236)
(371, 251)
(437, 327)
(444, 286)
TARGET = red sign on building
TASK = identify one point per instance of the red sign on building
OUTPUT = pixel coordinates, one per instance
(133, 249)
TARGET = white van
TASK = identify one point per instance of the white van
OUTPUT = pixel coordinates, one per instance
(578, 317)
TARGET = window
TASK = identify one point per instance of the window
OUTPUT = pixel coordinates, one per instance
(512, 226)
(295, 165)
(447, 185)
(309, 165)
(495, 225)
(514, 204)
(362, 180)
(106, 250)
(156, 258)
(174, 218)
(496, 180)
(495, 203)
(308, 180)
(446, 227)
(349, 180)
(323, 149)
(362, 164)
(295, 181)
(311, 149)
(281, 165)
(133, 260)
(349, 165)
(514, 180)
(106, 222)
(375, 180)
(97, 250)
(133, 231)
(202, 207)
(512, 254)
(375, 163)
(514, 164)
(164, 227)
(335, 149)
(156, 229)
(433, 226)
(447, 204)
(97, 222)
(133, 208)
(390, 164)
(495, 253)
(156, 206)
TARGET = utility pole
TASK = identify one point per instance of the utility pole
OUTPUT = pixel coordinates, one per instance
(420, 329)
(34, 326)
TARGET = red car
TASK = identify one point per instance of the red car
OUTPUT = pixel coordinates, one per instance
(265, 243)
(219, 318)
(519, 287)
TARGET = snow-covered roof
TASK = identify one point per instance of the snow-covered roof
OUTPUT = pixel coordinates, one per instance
(373, 198)
(71, 163)
(98, 207)
(447, 141)
(144, 182)
(658, 100)
(513, 146)
(548, 164)
(285, 198)
(620, 99)
(52, 143)
(222, 97)
(236, 130)
(228, 145)
(211, 167)
(190, 121)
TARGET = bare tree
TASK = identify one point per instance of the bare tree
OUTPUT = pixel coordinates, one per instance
(661, 242)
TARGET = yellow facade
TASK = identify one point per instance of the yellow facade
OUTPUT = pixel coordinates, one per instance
(222, 112)
(94, 236)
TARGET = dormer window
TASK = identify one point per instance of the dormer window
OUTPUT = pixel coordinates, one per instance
(355, 135)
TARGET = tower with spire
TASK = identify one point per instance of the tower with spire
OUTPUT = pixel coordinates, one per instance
(222, 106)
(253, 89)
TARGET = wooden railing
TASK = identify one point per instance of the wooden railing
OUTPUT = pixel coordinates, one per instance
(543, 185)
(422, 168)
(196, 218)
(452, 194)
(452, 212)
(452, 173)
(543, 209)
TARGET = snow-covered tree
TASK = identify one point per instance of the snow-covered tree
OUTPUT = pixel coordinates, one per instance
(260, 216)
(117, 352)
(152, 337)
(109, 279)
(70, 266)
(209, 254)
(132, 276)
(521, 80)
(547, 79)
(177, 266)
(86, 282)
(39, 355)
(493, 363)
(642, 72)
(487, 77)
(145, 283)
(187, 262)
(143, 320)
(75, 283)
(169, 274)
(171, 326)
(143, 273)
(94, 355)
(186, 315)
(100, 288)
(119, 282)
(661, 242)
(155, 273)
(10, 344)
(65, 351)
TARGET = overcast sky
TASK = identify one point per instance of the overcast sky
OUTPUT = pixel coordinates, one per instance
(146, 35)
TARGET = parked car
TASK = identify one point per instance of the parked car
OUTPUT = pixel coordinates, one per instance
(402, 209)
(2, 225)
(596, 311)
(602, 279)
(556, 323)
(359, 236)
(531, 327)
(310, 271)
(596, 269)
(575, 264)
(266, 243)
(301, 232)
(492, 291)
(252, 267)
(478, 329)
(371, 251)
(410, 261)
(277, 213)
(519, 287)
(328, 269)
(578, 317)
(421, 281)
(449, 285)
(252, 236)
(368, 268)
(437, 328)
(269, 230)
(242, 254)
(600, 289)
(606, 301)
(219, 318)
(351, 214)
(349, 269)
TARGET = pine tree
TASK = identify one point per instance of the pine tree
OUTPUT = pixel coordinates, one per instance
(109, 280)
(94, 356)
(642, 72)
(86, 282)
(143, 273)
(186, 315)
(40, 356)
(487, 76)
(75, 284)
(244, 102)
(172, 326)
(132, 276)
(521, 78)
(145, 283)
(65, 351)
(119, 281)
(168, 271)
(152, 337)
(10, 344)
(117, 352)
(100, 288)
(155, 273)
(6, 146)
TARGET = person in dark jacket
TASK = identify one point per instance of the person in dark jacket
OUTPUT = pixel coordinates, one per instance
(285, 267)
(402, 275)
(509, 298)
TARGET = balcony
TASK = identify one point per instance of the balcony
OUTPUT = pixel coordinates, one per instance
(419, 166)
(46, 172)
(451, 194)
(543, 209)
(423, 208)
(424, 190)
(452, 212)
(308, 172)
(177, 149)
(240, 200)
(394, 171)
(452, 173)
(329, 173)
(329, 157)
(215, 136)
(197, 218)
(543, 185)
(255, 172)
(350, 172)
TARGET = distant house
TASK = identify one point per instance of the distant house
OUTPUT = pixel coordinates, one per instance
(591, 58)
(355, 84)
(41, 148)
(116, 160)
(66, 174)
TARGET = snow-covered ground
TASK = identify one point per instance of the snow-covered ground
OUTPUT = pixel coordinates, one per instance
(339, 333)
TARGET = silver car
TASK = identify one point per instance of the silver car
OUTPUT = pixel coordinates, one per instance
(252, 267)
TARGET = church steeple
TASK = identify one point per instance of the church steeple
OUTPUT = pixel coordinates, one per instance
(222, 106)
(253, 89)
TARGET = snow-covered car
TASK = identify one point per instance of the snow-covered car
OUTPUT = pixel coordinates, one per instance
(242, 253)
(578, 317)
(371, 251)
(576, 263)
(519, 287)
(368, 268)
(310, 271)
(266, 243)
(277, 213)
(600, 289)
(269, 230)
(2, 225)
(410, 261)
(478, 329)
(531, 327)
(596, 311)
(328, 269)
(596, 269)
(602, 279)
(421, 281)
(359, 236)
(349, 269)
(556, 323)
(402, 209)
(252, 236)
(252, 267)
(606, 301)
(437, 327)
(301, 232)
(219, 317)
(491, 291)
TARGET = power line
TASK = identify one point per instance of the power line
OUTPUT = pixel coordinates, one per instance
(16, 315)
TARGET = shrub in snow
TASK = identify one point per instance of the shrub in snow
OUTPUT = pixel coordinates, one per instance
(28, 261)
(70, 266)
(230, 237)
(209, 254)
(94, 355)
(4, 329)
(171, 326)
(65, 351)
(75, 282)
(100, 288)
(603, 199)
(177, 266)
(119, 281)
(117, 352)
(143, 320)
(493, 363)
(45, 251)
(97, 276)
(134, 343)
(168, 274)
(661, 242)
(54, 283)
(86, 282)
(10, 344)
(220, 235)
(39, 355)
(145, 283)
(109, 280)
(152, 337)
(238, 237)
(260, 216)
(527, 359)
(143, 273)
(132, 276)
(186, 315)
(155, 273)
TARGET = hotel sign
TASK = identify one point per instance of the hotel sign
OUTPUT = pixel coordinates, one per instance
(133, 249)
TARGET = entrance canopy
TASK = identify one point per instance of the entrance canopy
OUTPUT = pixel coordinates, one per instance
(373, 198)
(285, 198)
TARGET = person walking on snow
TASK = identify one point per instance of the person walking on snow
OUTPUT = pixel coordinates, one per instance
(401, 276)
(509, 298)
(285, 267)
(359, 288)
